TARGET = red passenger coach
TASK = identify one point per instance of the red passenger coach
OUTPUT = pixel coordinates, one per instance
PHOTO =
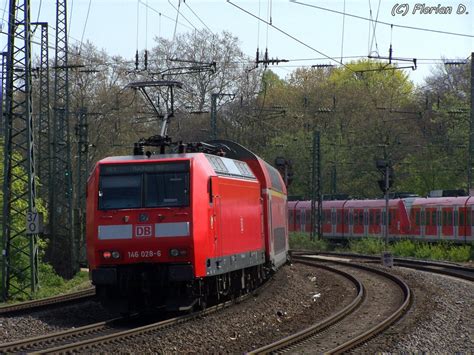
(426, 219)
(174, 230)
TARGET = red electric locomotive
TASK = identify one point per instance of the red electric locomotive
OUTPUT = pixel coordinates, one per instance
(174, 230)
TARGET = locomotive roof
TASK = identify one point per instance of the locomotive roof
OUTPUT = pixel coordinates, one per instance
(132, 158)
(221, 165)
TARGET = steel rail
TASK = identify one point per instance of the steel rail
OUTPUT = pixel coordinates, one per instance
(41, 342)
(353, 343)
(454, 270)
(47, 302)
(324, 324)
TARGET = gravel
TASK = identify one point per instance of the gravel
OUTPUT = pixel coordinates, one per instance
(53, 320)
(441, 319)
(297, 296)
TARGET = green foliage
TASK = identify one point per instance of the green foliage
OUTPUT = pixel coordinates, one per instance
(405, 248)
(20, 260)
(303, 241)
(51, 284)
(419, 250)
(460, 253)
(369, 245)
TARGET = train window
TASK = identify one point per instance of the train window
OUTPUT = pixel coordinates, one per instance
(427, 218)
(390, 217)
(445, 218)
(120, 191)
(450, 218)
(371, 217)
(290, 212)
(351, 218)
(339, 217)
(356, 218)
(469, 218)
(346, 217)
(377, 218)
(417, 218)
(166, 190)
(422, 218)
(433, 218)
(327, 215)
(461, 218)
(298, 217)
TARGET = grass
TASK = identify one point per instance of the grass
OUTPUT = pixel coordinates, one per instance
(51, 284)
(420, 250)
(403, 248)
(303, 241)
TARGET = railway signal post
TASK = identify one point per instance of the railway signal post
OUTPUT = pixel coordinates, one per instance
(384, 166)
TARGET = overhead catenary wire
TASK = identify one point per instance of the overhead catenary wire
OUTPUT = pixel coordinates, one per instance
(163, 15)
(343, 25)
(288, 35)
(373, 28)
(85, 26)
(138, 23)
(69, 21)
(196, 15)
(178, 13)
(146, 26)
(382, 22)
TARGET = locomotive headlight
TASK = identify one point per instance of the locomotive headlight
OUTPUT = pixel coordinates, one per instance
(178, 252)
(174, 252)
(110, 254)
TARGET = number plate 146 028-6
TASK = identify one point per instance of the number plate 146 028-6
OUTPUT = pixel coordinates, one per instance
(144, 254)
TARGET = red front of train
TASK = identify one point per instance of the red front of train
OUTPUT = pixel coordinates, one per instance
(174, 230)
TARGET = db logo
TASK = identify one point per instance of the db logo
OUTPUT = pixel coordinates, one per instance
(144, 231)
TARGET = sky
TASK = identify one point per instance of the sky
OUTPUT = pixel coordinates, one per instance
(305, 32)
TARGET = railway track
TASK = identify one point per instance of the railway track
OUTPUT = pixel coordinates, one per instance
(44, 303)
(336, 334)
(85, 338)
(449, 269)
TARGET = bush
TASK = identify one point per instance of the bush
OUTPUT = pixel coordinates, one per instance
(51, 284)
(460, 253)
(419, 250)
(303, 241)
(369, 245)
(404, 248)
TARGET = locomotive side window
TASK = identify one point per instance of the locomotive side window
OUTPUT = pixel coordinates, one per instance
(166, 190)
(120, 191)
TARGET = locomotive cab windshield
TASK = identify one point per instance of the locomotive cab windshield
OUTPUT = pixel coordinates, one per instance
(125, 186)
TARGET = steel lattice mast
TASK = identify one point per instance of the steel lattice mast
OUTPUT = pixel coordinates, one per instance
(82, 135)
(63, 245)
(20, 253)
(2, 94)
(43, 138)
